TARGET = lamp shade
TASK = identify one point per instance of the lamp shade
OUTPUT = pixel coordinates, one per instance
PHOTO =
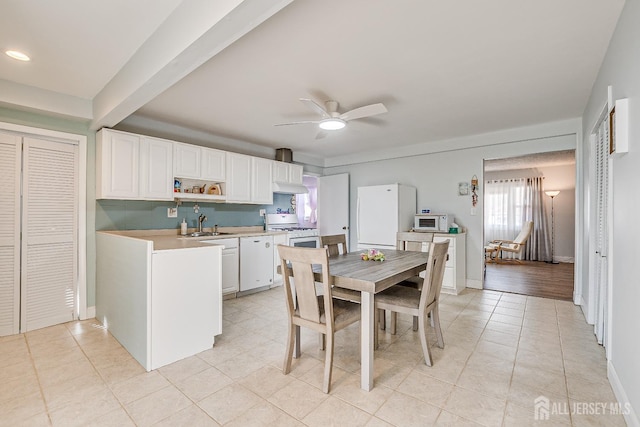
(552, 193)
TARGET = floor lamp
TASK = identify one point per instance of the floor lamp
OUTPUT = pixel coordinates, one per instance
(552, 194)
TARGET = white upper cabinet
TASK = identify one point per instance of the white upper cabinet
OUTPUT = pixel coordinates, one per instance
(280, 171)
(213, 164)
(138, 167)
(261, 191)
(287, 172)
(117, 165)
(130, 166)
(186, 161)
(192, 161)
(239, 178)
(156, 169)
(295, 174)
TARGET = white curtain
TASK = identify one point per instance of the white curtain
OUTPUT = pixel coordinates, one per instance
(504, 213)
(508, 204)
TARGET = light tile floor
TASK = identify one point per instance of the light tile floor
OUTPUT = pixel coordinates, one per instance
(502, 351)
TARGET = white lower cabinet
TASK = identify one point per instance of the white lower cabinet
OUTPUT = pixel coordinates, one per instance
(161, 305)
(455, 272)
(278, 239)
(230, 265)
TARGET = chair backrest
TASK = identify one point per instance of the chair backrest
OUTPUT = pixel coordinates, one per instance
(435, 273)
(524, 234)
(298, 263)
(333, 242)
(412, 241)
(520, 240)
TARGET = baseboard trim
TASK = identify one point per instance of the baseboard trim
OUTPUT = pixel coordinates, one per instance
(630, 415)
(568, 259)
(91, 312)
(474, 284)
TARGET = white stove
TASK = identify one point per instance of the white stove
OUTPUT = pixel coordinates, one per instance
(296, 235)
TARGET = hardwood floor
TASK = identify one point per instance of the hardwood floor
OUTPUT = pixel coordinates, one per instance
(533, 278)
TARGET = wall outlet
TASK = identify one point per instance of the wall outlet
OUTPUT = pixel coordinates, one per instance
(474, 211)
(263, 212)
(172, 212)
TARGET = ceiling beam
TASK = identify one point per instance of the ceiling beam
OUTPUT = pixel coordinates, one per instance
(194, 33)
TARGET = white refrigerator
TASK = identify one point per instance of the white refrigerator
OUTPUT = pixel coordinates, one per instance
(382, 211)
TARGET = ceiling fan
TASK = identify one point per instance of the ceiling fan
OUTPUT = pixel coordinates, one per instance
(331, 119)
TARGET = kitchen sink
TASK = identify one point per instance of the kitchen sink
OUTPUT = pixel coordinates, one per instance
(207, 233)
(200, 234)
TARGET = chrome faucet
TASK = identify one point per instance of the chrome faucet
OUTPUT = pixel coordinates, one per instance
(215, 229)
(201, 219)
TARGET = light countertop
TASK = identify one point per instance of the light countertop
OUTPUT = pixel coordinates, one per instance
(170, 239)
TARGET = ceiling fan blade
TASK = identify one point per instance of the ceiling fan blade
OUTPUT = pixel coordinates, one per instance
(321, 134)
(314, 106)
(366, 111)
(299, 123)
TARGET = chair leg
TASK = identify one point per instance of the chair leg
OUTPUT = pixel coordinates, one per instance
(423, 340)
(328, 364)
(376, 321)
(435, 322)
(286, 367)
(392, 322)
(321, 341)
(415, 323)
(296, 352)
(382, 319)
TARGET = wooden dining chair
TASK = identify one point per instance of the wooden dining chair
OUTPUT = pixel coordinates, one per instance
(415, 302)
(408, 241)
(321, 313)
(336, 244)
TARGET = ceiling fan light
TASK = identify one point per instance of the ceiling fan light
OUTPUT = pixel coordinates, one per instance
(332, 124)
(15, 54)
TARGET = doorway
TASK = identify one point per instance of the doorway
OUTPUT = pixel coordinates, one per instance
(517, 189)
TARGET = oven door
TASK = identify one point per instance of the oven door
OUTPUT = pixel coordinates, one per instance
(304, 242)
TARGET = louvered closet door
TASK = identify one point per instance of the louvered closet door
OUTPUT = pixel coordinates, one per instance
(49, 235)
(602, 232)
(10, 163)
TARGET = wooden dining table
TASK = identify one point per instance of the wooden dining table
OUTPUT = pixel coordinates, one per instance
(349, 271)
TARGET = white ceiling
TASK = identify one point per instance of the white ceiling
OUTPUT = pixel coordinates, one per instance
(231, 69)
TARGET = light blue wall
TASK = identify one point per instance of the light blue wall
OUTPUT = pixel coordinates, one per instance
(436, 176)
(140, 215)
(621, 70)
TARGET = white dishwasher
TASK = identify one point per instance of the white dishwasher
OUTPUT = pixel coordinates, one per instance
(256, 262)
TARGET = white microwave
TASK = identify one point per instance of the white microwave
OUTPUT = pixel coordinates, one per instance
(433, 222)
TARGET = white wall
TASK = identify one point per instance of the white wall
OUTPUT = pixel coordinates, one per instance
(436, 176)
(621, 70)
(561, 178)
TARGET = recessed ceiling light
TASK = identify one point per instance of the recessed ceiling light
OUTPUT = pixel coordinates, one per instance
(18, 55)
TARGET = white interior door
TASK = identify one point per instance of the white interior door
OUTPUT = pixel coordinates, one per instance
(10, 164)
(601, 272)
(49, 233)
(333, 205)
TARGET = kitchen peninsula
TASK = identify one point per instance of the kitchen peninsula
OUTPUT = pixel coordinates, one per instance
(160, 294)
